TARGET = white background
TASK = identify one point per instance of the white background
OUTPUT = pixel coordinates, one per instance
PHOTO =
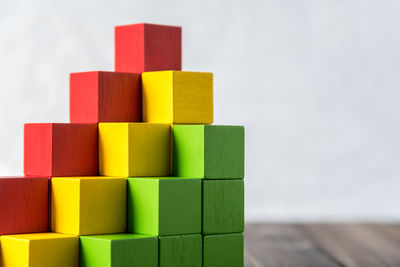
(316, 83)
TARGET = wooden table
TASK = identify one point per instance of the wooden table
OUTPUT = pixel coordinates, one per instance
(328, 245)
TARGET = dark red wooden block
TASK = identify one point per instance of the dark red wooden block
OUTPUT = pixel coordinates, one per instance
(23, 205)
(100, 96)
(60, 149)
(148, 47)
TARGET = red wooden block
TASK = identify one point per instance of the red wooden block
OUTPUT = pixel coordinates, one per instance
(148, 47)
(100, 96)
(60, 149)
(23, 205)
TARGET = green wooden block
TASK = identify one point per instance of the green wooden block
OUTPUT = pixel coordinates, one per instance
(208, 151)
(223, 206)
(223, 250)
(181, 251)
(118, 250)
(164, 206)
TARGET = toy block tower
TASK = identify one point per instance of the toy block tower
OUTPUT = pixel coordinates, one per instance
(139, 177)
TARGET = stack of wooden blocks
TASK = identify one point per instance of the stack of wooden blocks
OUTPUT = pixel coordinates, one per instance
(139, 177)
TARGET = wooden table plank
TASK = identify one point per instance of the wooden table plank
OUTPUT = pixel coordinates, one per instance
(281, 246)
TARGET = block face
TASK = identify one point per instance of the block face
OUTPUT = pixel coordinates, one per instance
(40, 250)
(181, 251)
(224, 152)
(134, 149)
(223, 206)
(60, 149)
(23, 205)
(101, 96)
(118, 250)
(177, 97)
(88, 205)
(188, 150)
(147, 47)
(223, 250)
(164, 206)
(193, 97)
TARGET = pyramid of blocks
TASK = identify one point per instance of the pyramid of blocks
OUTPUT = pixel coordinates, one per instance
(139, 177)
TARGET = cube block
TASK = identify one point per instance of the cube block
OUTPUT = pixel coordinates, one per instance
(223, 250)
(134, 149)
(23, 205)
(60, 149)
(100, 96)
(147, 47)
(177, 97)
(208, 151)
(164, 206)
(39, 250)
(88, 205)
(118, 250)
(223, 206)
(181, 251)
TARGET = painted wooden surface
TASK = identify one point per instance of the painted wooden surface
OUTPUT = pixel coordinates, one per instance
(147, 47)
(23, 205)
(60, 149)
(208, 151)
(40, 250)
(102, 96)
(88, 205)
(223, 250)
(177, 97)
(181, 251)
(164, 206)
(341, 245)
(134, 149)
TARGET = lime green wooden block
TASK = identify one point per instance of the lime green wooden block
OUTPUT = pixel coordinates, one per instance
(208, 151)
(223, 206)
(118, 250)
(181, 251)
(223, 250)
(164, 206)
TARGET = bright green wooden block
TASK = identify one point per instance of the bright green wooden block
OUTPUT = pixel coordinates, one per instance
(208, 151)
(223, 250)
(223, 206)
(118, 250)
(164, 206)
(181, 251)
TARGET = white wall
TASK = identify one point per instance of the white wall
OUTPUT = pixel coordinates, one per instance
(316, 83)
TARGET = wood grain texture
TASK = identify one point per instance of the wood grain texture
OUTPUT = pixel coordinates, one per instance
(181, 251)
(100, 96)
(23, 205)
(280, 245)
(223, 206)
(147, 47)
(223, 250)
(60, 149)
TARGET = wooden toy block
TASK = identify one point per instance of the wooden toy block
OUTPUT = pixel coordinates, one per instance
(208, 151)
(147, 47)
(23, 205)
(39, 250)
(223, 206)
(177, 97)
(60, 149)
(181, 251)
(134, 149)
(101, 96)
(118, 250)
(164, 206)
(88, 205)
(223, 250)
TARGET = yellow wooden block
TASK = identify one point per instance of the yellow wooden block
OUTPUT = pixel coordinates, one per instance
(39, 250)
(134, 149)
(177, 97)
(88, 205)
